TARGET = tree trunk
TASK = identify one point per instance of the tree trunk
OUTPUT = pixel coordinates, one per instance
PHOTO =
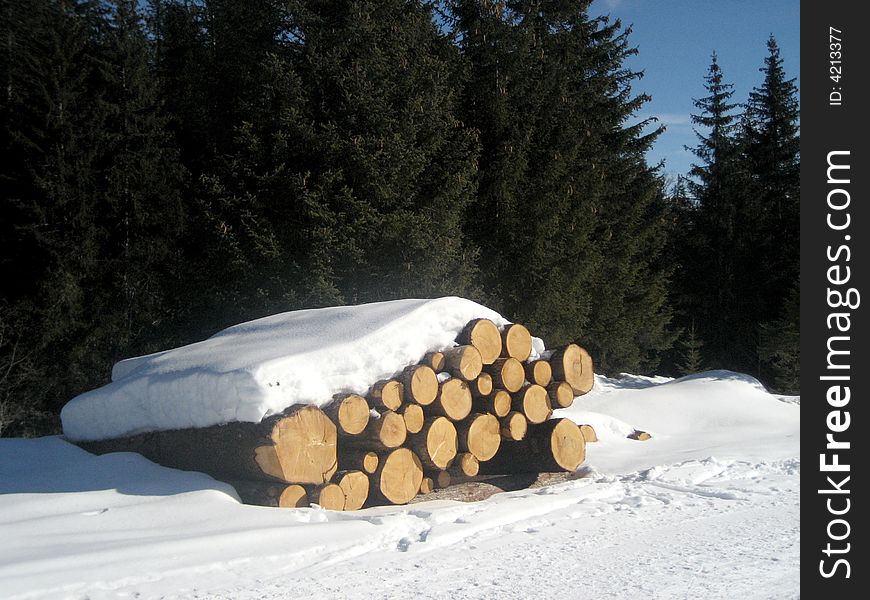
(436, 445)
(483, 335)
(556, 445)
(297, 446)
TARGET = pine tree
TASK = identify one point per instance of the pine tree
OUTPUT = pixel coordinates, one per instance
(718, 294)
(772, 152)
(779, 348)
(691, 360)
(576, 213)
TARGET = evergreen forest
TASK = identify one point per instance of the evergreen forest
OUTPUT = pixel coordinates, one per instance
(173, 167)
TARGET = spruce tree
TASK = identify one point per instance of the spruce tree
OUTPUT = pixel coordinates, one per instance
(575, 212)
(719, 295)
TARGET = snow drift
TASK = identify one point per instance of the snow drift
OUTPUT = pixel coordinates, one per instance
(259, 368)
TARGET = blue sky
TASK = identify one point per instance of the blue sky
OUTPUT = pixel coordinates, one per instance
(675, 39)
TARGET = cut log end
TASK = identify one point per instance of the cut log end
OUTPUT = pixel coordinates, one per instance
(391, 430)
(454, 400)
(567, 445)
(514, 426)
(355, 485)
(516, 342)
(639, 435)
(480, 436)
(539, 371)
(484, 335)
(420, 384)
(387, 394)
(304, 449)
(465, 465)
(399, 477)
(588, 433)
(414, 418)
(463, 362)
(434, 360)
(534, 403)
(498, 403)
(561, 394)
(350, 413)
(508, 374)
(573, 364)
(328, 496)
(482, 386)
(436, 445)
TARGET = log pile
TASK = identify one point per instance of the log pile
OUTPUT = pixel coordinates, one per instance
(479, 409)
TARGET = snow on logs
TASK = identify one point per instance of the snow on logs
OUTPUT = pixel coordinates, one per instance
(481, 407)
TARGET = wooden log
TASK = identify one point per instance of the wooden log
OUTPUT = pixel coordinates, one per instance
(588, 433)
(381, 434)
(398, 478)
(436, 444)
(483, 335)
(507, 374)
(350, 412)
(386, 394)
(497, 403)
(538, 371)
(271, 493)
(479, 435)
(639, 435)
(463, 362)
(556, 445)
(355, 485)
(514, 426)
(353, 459)
(561, 394)
(414, 417)
(434, 480)
(420, 384)
(465, 465)
(482, 386)
(573, 364)
(516, 342)
(434, 360)
(475, 489)
(533, 402)
(453, 400)
(297, 446)
(329, 496)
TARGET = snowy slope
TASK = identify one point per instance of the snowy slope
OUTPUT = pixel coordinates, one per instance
(708, 508)
(259, 368)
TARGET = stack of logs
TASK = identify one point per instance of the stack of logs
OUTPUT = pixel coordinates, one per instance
(481, 408)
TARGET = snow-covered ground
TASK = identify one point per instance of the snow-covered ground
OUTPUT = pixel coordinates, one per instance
(708, 508)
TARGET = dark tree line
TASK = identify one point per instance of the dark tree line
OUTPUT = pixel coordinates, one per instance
(736, 289)
(175, 167)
